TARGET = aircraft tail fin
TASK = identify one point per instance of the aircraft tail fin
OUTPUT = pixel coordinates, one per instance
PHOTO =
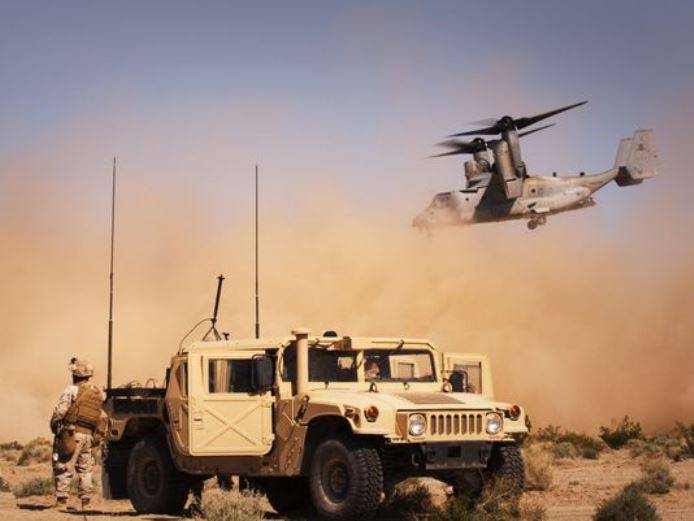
(636, 158)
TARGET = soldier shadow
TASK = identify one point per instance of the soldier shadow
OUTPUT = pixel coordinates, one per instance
(82, 513)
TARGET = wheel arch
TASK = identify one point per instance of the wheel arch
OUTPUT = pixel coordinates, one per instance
(319, 428)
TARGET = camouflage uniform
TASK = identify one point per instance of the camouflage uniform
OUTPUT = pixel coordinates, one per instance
(82, 460)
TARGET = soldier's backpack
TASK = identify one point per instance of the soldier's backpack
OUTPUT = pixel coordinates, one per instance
(85, 411)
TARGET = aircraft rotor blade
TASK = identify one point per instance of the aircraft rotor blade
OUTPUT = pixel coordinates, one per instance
(522, 134)
(462, 147)
(526, 122)
(507, 122)
(527, 132)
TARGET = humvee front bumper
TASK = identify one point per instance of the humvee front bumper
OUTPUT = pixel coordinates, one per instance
(443, 455)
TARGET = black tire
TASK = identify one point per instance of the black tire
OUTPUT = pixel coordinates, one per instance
(345, 479)
(285, 495)
(507, 463)
(113, 470)
(154, 484)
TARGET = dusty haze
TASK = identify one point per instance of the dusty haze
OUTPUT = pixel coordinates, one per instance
(585, 320)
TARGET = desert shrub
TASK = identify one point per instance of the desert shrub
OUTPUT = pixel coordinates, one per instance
(686, 432)
(457, 508)
(4, 485)
(34, 487)
(410, 499)
(532, 510)
(538, 468)
(628, 505)
(669, 446)
(637, 447)
(11, 445)
(624, 431)
(658, 445)
(499, 501)
(565, 449)
(590, 453)
(551, 433)
(657, 478)
(38, 450)
(220, 505)
(584, 445)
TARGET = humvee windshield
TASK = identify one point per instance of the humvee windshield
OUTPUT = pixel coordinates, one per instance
(380, 365)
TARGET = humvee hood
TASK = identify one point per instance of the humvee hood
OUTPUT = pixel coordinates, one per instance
(405, 400)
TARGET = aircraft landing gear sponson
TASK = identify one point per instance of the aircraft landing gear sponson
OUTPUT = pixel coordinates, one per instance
(537, 221)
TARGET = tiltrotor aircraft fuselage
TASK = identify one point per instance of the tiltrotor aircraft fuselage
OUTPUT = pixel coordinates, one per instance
(503, 190)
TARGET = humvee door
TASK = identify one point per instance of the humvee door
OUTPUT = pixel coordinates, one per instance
(468, 373)
(177, 403)
(227, 417)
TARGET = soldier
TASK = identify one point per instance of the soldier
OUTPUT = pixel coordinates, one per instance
(78, 423)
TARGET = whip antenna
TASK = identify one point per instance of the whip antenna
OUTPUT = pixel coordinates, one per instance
(257, 292)
(213, 328)
(110, 279)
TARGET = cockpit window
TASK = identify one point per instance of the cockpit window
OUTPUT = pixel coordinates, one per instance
(398, 366)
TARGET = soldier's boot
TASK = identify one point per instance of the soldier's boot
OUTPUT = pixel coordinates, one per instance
(60, 503)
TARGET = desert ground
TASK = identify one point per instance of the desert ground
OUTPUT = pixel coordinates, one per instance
(578, 487)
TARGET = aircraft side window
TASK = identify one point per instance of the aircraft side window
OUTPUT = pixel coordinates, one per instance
(229, 376)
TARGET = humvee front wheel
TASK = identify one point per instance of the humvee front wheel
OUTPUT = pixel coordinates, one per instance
(345, 479)
(154, 484)
(506, 463)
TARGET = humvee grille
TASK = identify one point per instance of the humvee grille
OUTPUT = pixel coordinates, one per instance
(450, 423)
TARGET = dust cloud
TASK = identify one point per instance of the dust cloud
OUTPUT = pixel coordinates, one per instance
(583, 322)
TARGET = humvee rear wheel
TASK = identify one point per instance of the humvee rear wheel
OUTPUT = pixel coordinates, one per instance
(154, 484)
(506, 463)
(345, 479)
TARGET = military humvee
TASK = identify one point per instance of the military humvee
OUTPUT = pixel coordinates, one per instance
(329, 422)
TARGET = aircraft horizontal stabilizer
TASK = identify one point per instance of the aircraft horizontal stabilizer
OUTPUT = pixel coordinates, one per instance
(637, 158)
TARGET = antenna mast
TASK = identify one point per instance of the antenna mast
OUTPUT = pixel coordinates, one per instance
(110, 279)
(257, 292)
(213, 320)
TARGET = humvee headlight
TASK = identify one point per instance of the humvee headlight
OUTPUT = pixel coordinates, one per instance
(494, 423)
(418, 424)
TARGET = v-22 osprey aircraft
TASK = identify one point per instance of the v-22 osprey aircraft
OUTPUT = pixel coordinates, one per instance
(503, 190)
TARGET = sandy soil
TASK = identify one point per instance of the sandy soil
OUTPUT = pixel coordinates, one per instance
(579, 486)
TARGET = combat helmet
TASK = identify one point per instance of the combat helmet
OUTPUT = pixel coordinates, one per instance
(81, 368)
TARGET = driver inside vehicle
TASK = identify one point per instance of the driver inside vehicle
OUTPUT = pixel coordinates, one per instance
(373, 372)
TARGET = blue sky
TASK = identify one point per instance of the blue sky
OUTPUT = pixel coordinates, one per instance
(353, 93)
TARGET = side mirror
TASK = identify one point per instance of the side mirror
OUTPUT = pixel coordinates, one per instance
(262, 373)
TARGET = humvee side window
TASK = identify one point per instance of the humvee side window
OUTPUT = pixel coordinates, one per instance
(469, 374)
(331, 366)
(289, 364)
(229, 376)
(398, 366)
(182, 378)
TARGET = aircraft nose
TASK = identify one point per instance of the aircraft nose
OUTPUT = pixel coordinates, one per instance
(422, 220)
